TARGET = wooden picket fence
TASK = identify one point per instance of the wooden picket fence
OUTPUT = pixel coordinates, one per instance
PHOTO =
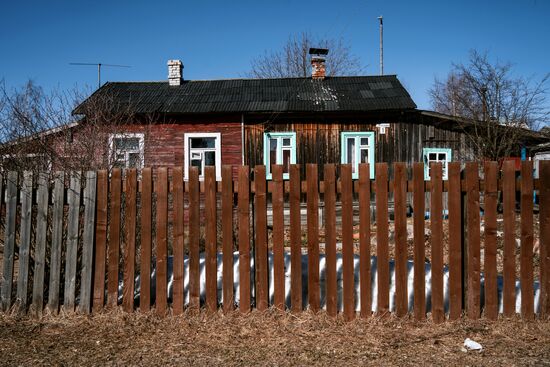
(74, 228)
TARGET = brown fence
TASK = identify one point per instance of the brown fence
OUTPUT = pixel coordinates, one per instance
(77, 240)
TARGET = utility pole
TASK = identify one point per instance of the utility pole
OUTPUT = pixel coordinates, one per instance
(381, 46)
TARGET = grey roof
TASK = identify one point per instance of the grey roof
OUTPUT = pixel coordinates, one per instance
(354, 93)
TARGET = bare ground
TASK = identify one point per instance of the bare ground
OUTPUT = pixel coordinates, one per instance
(269, 338)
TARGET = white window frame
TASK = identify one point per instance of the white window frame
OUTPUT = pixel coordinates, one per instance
(113, 154)
(279, 135)
(357, 135)
(217, 147)
(425, 158)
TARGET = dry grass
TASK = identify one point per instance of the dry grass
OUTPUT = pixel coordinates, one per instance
(271, 338)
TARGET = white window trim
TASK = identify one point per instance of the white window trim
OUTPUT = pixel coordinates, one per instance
(426, 151)
(141, 138)
(218, 145)
(279, 135)
(344, 135)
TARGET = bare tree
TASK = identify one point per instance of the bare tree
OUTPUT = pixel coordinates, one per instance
(499, 107)
(293, 60)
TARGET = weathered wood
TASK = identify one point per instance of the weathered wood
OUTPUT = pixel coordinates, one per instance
(9, 240)
(278, 238)
(509, 261)
(227, 231)
(194, 233)
(400, 215)
(260, 211)
(347, 242)
(490, 253)
(295, 240)
(161, 188)
(364, 240)
(71, 254)
(330, 239)
(25, 242)
(436, 227)
(526, 262)
(419, 282)
(85, 303)
(179, 253)
(100, 240)
(312, 178)
(210, 261)
(57, 242)
(472, 207)
(544, 218)
(114, 237)
(130, 212)
(244, 238)
(146, 239)
(40, 249)
(382, 252)
(455, 242)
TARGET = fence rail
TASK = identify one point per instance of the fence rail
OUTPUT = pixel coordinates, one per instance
(146, 239)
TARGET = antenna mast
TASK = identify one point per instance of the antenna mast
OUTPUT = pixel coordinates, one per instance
(99, 65)
(381, 46)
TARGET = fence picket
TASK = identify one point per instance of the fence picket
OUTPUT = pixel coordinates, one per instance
(227, 229)
(330, 239)
(100, 240)
(194, 233)
(25, 241)
(278, 237)
(88, 243)
(295, 240)
(9, 240)
(244, 238)
(71, 254)
(347, 242)
(400, 223)
(419, 281)
(383, 303)
(261, 266)
(161, 294)
(312, 178)
(364, 240)
(179, 253)
(40, 250)
(129, 240)
(146, 239)
(57, 242)
(526, 262)
(210, 260)
(490, 264)
(509, 271)
(114, 237)
(436, 227)
(473, 265)
(455, 242)
(544, 218)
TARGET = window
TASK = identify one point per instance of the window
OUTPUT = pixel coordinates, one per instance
(201, 150)
(279, 148)
(126, 150)
(356, 148)
(430, 155)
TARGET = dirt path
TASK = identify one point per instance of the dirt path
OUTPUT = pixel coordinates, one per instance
(271, 338)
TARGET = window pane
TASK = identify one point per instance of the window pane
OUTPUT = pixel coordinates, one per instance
(351, 153)
(286, 142)
(197, 163)
(126, 143)
(364, 156)
(203, 142)
(134, 160)
(442, 156)
(209, 158)
(364, 141)
(272, 151)
(432, 156)
(286, 161)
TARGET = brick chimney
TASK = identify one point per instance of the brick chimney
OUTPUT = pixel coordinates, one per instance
(318, 57)
(175, 72)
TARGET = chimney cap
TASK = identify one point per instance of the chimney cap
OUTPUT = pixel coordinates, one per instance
(318, 51)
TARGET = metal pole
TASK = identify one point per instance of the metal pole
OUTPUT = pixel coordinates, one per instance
(381, 46)
(98, 75)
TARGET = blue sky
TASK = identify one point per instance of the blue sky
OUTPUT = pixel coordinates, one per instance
(218, 39)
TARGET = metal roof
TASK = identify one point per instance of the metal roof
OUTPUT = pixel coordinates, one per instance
(354, 93)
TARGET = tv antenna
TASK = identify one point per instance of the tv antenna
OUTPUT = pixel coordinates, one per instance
(99, 65)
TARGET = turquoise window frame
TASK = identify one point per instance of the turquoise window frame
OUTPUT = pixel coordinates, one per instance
(344, 136)
(427, 151)
(280, 136)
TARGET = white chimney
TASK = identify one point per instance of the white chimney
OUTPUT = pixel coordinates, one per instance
(175, 72)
